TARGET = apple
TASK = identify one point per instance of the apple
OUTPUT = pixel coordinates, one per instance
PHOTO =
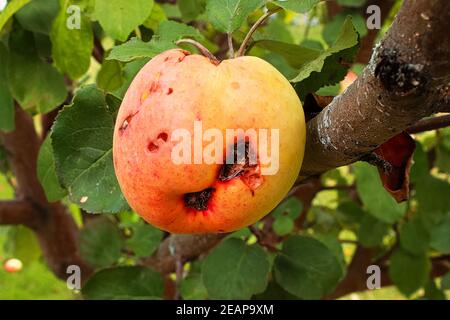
(12, 265)
(179, 114)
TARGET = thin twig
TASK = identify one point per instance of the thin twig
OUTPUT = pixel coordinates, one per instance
(203, 50)
(252, 30)
(430, 124)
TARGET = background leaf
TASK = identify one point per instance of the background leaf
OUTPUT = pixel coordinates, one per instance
(33, 83)
(124, 283)
(408, 272)
(101, 243)
(120, 17)
(144, 239)
(375, 198)
(38, 15)
(6, 100)
(12, 7)
(46, 172)
(307, 268)
(234, 270)
(228, 15)
(82, 143)
(300, 6)
(71, 48)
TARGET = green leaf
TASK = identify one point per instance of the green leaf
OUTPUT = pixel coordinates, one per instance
(136, 49)
(414, 236)
(372, 231)
(6, 100)
(33, 83)
(283, 225)
(101, 242)
(330, 31)
(22, 244)
(307, 268)
(443, 151)
(291, 207)
(124, 283)
(440, 235)
(351, 3)
(432, 292)
(327, 68)
(129, 72)
(46, 172)
(110, 76)
(295, 55)
(348, 38)
(156, 17)
(173, 31)
(192, 287)
(190, 9)
(234, 270)
(229, 15)
(165, 37)
(374, 197)
(408, 272)
(274, 292)
(332, 243)
(82, 143)
(11, 8)
(120, 17)
(299, 6)
(38, 15)
(144, 240)
(445, 282)
(71, 48)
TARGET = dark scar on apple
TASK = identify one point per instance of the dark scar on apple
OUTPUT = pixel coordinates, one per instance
(153, 146)
(249, 173)
(198, 200)
(127, 122)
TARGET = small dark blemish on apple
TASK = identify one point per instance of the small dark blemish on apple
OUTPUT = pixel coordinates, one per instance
(198, 200)
(166, 59)
(126, 122)
(169, 91)
(154, 145)
(163, 136)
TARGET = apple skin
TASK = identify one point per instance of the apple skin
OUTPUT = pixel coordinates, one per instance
(170, 92)
(12, 265)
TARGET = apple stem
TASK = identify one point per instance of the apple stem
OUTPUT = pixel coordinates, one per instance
(230, 46)
(252, 30)
(205, 52)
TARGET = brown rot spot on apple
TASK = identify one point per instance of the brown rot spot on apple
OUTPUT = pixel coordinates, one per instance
(169, 91)
(154, 145)
(248, 171)
(198, 200)
(241, 162)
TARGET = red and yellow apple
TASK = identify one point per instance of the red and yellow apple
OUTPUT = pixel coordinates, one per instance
(173, 91)
(12, 265)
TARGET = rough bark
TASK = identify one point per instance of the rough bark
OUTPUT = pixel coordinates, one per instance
(52, 224)
(397, 88)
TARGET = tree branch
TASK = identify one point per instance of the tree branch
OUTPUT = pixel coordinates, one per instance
(397, 88)
(188, 248)
(430, 124)
(16, 212)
